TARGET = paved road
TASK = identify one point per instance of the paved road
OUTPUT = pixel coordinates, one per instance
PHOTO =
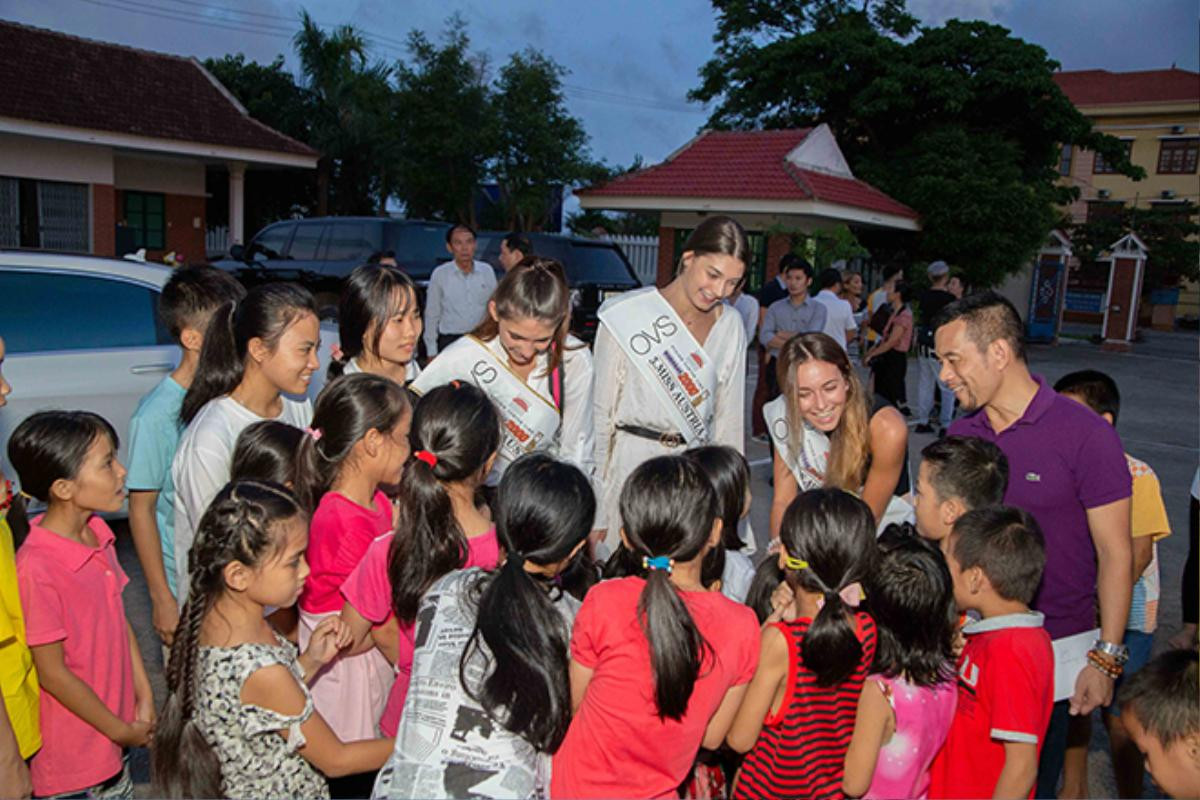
(1159, 383)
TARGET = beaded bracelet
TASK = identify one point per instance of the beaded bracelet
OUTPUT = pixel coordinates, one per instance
(1105, 664)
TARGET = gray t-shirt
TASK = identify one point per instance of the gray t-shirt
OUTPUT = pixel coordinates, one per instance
(447, 745)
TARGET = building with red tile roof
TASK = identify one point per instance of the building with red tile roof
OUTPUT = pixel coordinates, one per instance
(116, 143)
(792, 179)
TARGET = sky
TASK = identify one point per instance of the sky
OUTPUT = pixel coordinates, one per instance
(631, 62)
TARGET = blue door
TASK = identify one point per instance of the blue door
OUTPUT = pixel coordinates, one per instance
(1045, 302)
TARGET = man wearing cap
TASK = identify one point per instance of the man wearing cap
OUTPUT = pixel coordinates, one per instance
(932, 301)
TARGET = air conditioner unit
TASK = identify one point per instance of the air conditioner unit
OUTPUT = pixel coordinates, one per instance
(1104, 194)
(1168, 194)
(1176, 129)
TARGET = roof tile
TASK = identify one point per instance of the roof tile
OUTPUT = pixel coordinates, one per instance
(1091, 87)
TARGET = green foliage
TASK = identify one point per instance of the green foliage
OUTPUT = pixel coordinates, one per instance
(1169, 233)
(623, 223)
(962, 122)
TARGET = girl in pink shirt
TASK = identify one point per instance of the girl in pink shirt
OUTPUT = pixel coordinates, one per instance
(659, 664)
(455, 433)
(907, 703)
(358, 440)
(96, 697)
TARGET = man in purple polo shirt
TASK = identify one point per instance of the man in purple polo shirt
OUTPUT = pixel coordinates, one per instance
(1067, 468)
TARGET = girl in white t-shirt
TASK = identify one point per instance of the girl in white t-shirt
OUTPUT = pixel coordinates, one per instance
(379, 325)
(254, 353)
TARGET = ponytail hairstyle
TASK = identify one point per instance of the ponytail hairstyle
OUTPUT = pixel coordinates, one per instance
(49, 446)
(832, 534)
(535, 288)
(455, 430)
(266, 451)
(240, 525)
(850, 442)
(264, 313)
(668, 507)
(717, 235)
(346, 411)
(912, 603)
(371, 296)
(729, 474)
(543, 513)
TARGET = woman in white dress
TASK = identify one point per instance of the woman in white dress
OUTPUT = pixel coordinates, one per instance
(537, 373)
(670, 367)
(826, 432)
(379, 325)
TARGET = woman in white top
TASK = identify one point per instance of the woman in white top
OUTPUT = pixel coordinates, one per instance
(253, 354)
(537, 374)
(379, 325)
(826, 432)
(670, 366)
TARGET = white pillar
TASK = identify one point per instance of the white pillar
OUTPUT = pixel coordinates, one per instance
(237, 202)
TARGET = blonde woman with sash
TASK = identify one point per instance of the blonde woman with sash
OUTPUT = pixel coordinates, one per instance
(537, 374)
(670, 367)
(826, 434)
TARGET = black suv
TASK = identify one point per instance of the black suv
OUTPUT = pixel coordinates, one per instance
(319, 252)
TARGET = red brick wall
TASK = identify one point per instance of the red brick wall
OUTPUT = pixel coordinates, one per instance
(666, 256)
(104, 220)
(778, 245)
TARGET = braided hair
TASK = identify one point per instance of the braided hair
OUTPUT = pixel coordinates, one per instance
(239, 525)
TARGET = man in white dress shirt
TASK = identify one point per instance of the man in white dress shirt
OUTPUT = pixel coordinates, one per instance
(839, 317)
(458, 292)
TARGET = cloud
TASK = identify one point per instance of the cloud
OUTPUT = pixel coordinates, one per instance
(936, 12)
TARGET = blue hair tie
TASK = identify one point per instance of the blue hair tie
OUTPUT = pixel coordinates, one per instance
(663, 563)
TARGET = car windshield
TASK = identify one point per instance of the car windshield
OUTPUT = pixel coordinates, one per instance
(418, 247)
(598, 264)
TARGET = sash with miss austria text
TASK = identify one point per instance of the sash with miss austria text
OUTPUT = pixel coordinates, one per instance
(670, 359)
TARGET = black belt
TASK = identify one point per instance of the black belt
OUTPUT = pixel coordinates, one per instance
(665, 439)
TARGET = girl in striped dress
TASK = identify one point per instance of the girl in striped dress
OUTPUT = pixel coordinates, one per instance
(797, 718)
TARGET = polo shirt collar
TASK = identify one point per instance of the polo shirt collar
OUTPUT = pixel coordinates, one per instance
(467, 271)
(1043, 400)
(1027, 619)
(71, 554)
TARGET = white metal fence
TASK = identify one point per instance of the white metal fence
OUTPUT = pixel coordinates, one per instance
(642, 252)
(216, 241)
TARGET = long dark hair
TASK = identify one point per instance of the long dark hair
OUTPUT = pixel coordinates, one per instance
(240, 525)
(912, 602)
(48, 446)
(729, 473)
(346, 411)
(264, 313)
(667, 508)
(543, 512)
(535, 288)
(460, 427)
(371, 295)
(266, 451)
(833, 532)
(717, 235)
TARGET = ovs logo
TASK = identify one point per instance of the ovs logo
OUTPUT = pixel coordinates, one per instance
(483, 372)
(642, 341)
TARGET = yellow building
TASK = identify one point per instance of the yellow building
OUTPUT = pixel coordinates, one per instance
(1157, 114)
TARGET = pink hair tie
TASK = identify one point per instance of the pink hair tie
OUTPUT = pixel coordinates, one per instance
(315, 433)
(426, 456)
(336, 352)
(852, 595)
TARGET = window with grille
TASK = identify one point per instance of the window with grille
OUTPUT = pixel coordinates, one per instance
(1102, 167)
(1178, 156)
(49, 215)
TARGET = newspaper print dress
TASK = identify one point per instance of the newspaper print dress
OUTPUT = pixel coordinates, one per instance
(447, 745)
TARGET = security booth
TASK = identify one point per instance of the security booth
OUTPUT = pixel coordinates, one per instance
(1127, 267)
(1048, 289)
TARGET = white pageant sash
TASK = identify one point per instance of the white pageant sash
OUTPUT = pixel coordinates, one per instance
(530, 421)
(670, 359)
(809, 465)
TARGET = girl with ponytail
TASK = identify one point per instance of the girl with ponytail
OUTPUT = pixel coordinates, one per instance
(508, 632)
(454, 435)
(230, 726)
(255, 352)
(798, 717)
(659, 636)
(379, 325)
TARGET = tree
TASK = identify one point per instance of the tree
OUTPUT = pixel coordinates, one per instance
(444, 121)
(1169, 233)
(350, 123)
(962, 122)
(540, 146)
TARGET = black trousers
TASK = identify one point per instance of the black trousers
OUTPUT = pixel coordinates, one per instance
(1191, 581)
(890, 369)
(447, 339)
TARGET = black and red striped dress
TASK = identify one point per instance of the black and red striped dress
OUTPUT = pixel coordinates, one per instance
(802, 748)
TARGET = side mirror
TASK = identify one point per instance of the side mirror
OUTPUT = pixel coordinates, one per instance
(237, 252)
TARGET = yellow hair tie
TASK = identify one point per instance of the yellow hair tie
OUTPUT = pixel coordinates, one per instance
(795, 563)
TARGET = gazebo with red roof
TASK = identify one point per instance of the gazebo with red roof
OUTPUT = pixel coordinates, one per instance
(793, 179)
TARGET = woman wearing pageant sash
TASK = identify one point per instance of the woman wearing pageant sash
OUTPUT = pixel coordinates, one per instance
(537, 374)
(826, 433)
(670, 367)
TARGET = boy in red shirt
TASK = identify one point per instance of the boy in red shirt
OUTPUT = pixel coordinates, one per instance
(1006, 673)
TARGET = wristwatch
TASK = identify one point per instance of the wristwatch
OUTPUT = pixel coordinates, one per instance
(1118, 652)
